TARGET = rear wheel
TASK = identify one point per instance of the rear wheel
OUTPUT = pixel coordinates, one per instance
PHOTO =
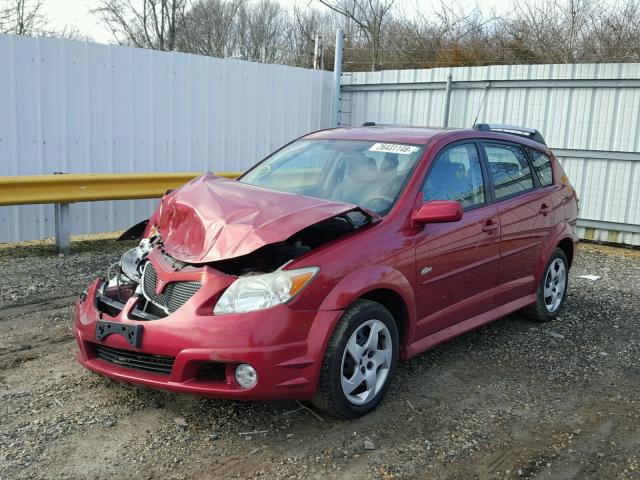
(359, 362)
(552, 290)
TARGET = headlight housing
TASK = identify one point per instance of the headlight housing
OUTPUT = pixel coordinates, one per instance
(257, 292)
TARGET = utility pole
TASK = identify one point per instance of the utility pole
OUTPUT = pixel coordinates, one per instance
(447, 102)
(316, 53)
(337, 74)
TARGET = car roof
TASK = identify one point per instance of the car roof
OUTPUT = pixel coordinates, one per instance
(416, 135)
(413, 135)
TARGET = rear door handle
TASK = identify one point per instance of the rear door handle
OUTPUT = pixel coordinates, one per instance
(544, 209)
(490, 226)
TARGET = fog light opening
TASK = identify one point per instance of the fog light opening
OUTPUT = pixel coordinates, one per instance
(246, 375)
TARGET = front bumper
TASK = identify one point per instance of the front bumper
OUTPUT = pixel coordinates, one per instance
(285, 347)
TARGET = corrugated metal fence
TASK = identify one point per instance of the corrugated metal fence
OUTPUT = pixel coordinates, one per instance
(76, 107)
(589, 114)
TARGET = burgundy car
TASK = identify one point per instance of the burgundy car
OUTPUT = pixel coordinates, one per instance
(311, 275)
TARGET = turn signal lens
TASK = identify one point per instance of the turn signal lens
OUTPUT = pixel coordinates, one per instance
(299, 281)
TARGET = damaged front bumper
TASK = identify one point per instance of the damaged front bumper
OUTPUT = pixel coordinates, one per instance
(193, 351)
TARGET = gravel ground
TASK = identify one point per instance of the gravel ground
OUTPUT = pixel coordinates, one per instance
(512, 400)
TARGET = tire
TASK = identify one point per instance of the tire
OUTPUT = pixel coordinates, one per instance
(368, 377)
(552, 289)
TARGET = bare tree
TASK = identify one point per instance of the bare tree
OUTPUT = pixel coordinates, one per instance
(448, 36)
(303, 27)
(22, 17)
(144, 23)
(535, 31)
(208, 27)
(550, 30)
(371, 16)
(615, 36)
(259, 31)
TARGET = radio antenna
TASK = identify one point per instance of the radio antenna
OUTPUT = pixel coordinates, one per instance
(486, 89)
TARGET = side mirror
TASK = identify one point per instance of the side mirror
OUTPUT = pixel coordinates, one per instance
(437, 211)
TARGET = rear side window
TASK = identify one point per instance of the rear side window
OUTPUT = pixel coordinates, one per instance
(509, 169)
(542, 166)
(456, 175)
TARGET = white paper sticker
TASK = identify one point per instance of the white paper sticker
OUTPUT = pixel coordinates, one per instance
(393, 148)
(593, 278)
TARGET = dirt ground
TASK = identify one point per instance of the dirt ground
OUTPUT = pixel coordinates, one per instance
(512, 400)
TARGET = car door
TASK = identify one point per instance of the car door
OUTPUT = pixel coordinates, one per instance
(526, 214)
(457, 263)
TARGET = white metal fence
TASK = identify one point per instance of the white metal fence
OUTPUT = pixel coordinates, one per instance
(79, 107)
(76, 107)
(589, 115)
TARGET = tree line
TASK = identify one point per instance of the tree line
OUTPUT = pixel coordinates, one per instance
(377, 34)
(26, 17)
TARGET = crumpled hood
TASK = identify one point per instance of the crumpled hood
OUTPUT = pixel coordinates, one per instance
(211, 218)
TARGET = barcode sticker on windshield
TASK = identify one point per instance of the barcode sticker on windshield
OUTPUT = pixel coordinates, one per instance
(393, 148)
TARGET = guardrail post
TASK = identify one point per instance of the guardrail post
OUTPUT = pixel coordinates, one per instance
(62, 227)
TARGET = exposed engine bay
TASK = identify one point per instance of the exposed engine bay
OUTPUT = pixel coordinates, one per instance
(134, 276)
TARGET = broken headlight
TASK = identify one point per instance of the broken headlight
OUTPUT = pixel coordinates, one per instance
(257, 292)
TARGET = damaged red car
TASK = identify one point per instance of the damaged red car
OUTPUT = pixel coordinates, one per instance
(345, 251)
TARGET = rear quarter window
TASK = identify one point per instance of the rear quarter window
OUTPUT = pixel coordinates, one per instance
(542, 166)
(509, 169)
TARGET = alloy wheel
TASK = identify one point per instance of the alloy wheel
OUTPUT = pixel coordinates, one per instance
(366, 361)
(555, 283)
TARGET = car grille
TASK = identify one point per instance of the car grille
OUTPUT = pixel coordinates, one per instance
(140, 361)
(175, 294)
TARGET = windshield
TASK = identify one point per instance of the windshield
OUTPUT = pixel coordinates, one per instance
(368, 174)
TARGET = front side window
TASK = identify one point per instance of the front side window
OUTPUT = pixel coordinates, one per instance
(456, 175)
(542, 166)
(366, 173)
(509, 169)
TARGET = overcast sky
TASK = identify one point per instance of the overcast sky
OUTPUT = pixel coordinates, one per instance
(77, 13)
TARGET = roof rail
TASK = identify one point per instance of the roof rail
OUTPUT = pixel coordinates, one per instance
(374, 124)
(530, 133)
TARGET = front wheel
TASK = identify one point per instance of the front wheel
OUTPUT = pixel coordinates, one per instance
(359, 361)
(552, 290)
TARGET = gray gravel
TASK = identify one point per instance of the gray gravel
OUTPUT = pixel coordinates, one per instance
(512, 400)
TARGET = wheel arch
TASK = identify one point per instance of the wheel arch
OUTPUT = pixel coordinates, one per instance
(560, 237)
(567, 246)
(392, 301)
(382, 284)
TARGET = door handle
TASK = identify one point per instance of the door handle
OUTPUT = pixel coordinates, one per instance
(544, 209)
(490, 226)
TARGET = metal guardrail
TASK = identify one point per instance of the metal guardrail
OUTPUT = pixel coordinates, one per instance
(71, 188)
(63, 189)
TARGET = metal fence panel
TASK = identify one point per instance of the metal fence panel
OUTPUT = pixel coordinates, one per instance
(80, 107)
(588, 113)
